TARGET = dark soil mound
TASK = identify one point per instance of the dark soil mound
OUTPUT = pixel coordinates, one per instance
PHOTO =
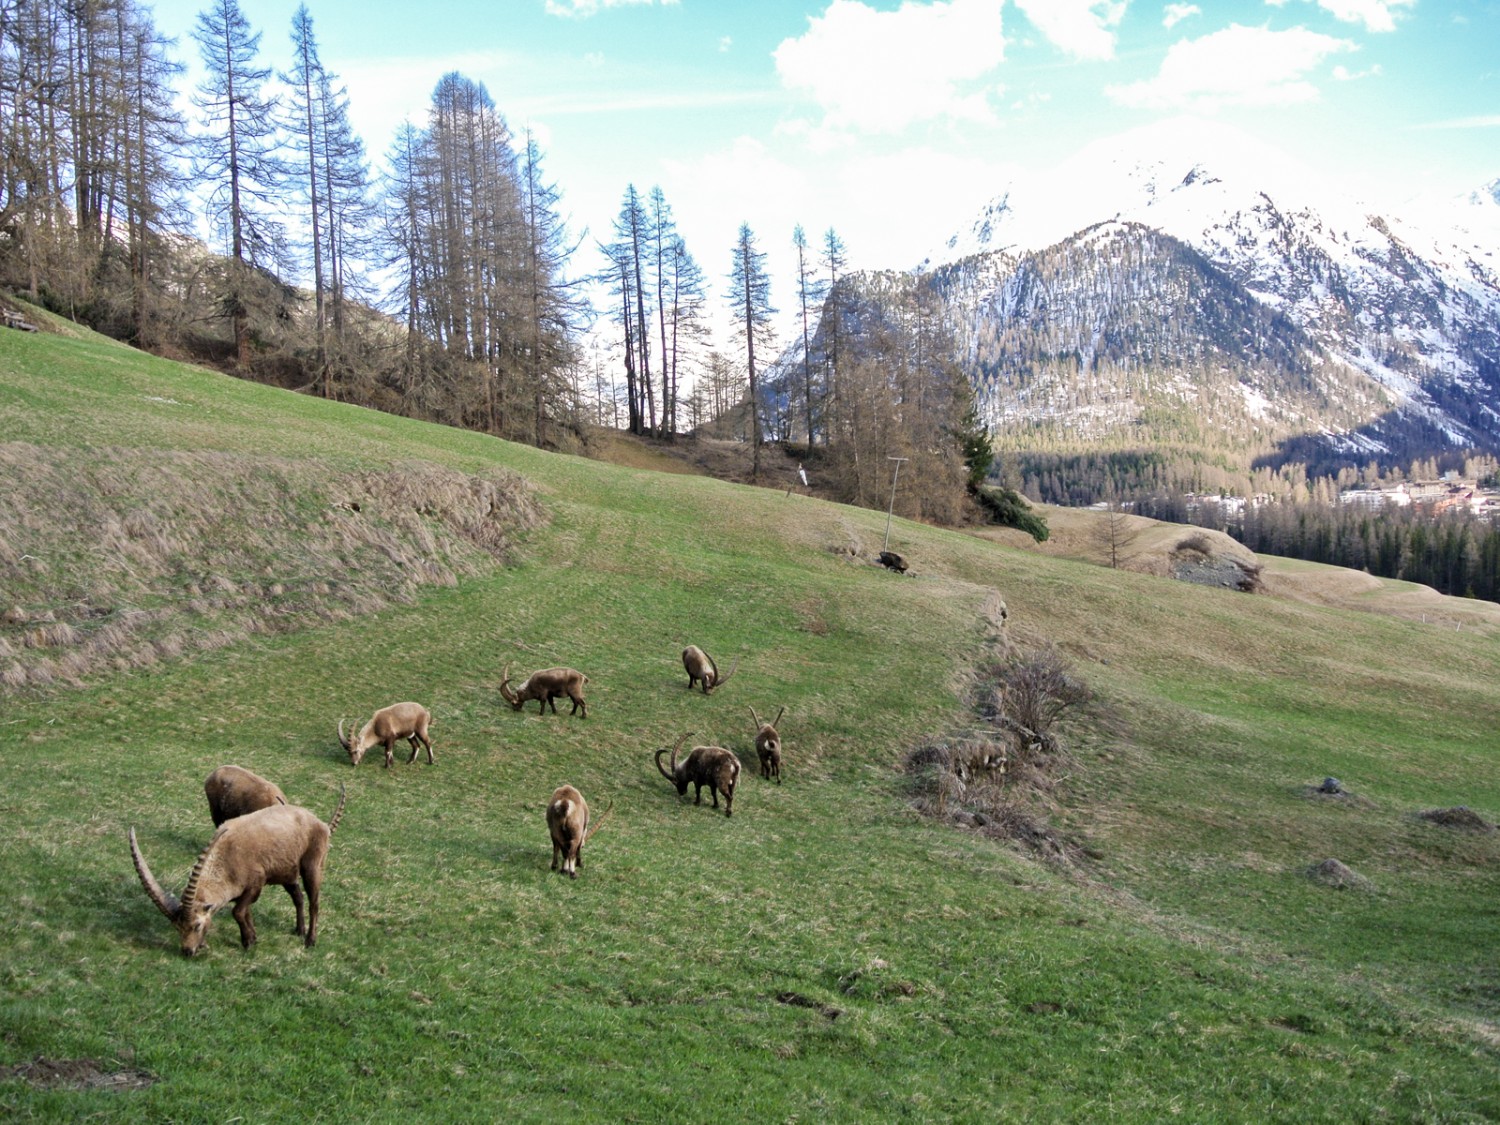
(1460, 817)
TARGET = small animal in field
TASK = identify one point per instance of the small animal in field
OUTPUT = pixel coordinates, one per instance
(400, 720)
(701, 669)
(233, 791)
(768, 745)
(570, 828)
(279, 844)
(546, 687)
(712, 766)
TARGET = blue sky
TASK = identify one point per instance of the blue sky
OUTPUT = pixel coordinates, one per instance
(894, 122)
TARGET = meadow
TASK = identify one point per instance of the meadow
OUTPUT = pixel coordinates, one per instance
(828, 952)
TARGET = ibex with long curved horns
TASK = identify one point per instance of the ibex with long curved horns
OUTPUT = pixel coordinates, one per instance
(546, 687)
(277, 845)
(400, 720)
(713, 766)
(768, 745)
(702, 669)
(569, 825)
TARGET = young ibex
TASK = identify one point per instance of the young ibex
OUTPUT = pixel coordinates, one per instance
(273, 845)
(232, 792)
(400, 720)
(768, 745)
(568, 822)
(701, 668)
(713, 766)
(545, 687)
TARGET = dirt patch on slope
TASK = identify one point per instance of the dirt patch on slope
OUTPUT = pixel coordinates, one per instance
(76, 1074)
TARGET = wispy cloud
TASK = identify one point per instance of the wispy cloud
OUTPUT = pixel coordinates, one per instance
(1488, 121)
(1084, 29)
(1376, 15)
(879, 72)
(582, 9)
(1174, 14)
(1239, 66)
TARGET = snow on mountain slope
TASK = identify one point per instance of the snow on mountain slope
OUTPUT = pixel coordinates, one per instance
(1412, 302)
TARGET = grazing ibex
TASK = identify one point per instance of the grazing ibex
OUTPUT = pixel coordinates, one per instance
(568, 822)
(232, 792)
(768, 745)
(400, 720)
(701, 668)
(546, 687)
(713, 766)
(277, 845)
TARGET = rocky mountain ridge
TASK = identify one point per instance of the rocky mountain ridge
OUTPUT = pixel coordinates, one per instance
(1193, 285)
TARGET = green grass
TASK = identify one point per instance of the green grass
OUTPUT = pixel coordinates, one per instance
(826, 953)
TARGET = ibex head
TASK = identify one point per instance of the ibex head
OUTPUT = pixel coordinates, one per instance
(676, 776)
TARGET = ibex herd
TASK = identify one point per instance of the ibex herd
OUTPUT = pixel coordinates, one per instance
(261, 838)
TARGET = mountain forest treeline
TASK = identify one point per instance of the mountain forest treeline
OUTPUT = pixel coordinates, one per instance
(255, 234)
(1289, 513)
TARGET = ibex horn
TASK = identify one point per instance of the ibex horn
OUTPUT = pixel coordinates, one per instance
(594, 825)
(190, 891)
(754, 716)
(344, 742)
(732, 669)
(164, 901)
(338, 812)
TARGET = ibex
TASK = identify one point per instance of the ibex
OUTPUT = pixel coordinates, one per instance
(232, 792)
(273, 845)
(568, 822)
(713, 766)
(701, 668)
(545, 687)
(400, 720)
(768, 745)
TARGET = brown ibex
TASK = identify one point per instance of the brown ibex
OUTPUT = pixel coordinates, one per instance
(702, 669)
(546, 687)
(568, 823)
(232, 792)
(277, 845)
(713, 766)
(768, 745)
(400, 720)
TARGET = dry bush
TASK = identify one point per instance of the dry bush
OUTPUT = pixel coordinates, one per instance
(1032, 693)
(1000, 779)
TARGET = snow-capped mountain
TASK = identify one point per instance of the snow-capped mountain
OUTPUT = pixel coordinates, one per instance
(1189, 265)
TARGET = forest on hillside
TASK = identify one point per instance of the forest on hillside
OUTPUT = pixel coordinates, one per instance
(255, 234)
(1286, 512)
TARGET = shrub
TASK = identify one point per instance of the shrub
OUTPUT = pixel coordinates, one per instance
(1007, 508)
(1035, 691)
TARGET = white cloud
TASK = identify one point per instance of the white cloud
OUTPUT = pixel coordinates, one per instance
(582, 9)
(1244, 66)
(1376, 15)
(1174, 14)
(880, 72)
(1082, 28)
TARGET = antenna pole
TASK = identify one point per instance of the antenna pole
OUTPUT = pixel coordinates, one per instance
(892, 505)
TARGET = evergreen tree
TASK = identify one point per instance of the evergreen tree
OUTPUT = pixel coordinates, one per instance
(749, 299)
(237, 157)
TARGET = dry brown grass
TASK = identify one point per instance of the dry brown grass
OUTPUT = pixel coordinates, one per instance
(115, 559)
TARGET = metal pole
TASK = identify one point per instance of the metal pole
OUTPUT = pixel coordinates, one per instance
(892, 505)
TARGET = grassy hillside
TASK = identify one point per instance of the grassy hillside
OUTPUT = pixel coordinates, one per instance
(826, 953)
